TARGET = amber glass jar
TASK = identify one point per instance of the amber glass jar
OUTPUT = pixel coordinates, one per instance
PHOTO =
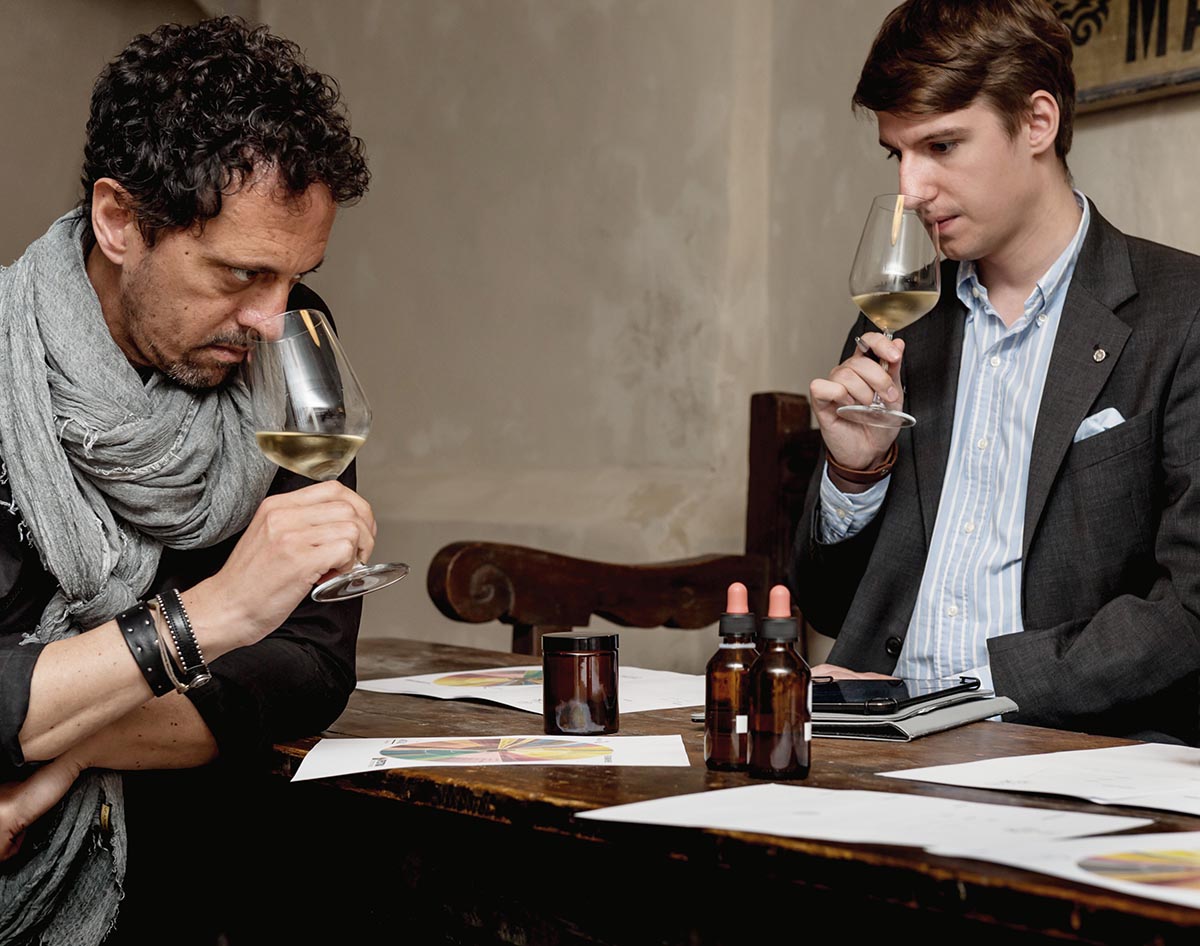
(579, 683)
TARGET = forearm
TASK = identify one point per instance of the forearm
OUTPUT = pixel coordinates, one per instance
(1129, 654)
(166, 733)
(82, 684)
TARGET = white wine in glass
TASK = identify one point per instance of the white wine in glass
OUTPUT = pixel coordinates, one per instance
(895, 279)
(311, 417)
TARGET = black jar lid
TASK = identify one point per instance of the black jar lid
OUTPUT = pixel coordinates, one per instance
(577, 640)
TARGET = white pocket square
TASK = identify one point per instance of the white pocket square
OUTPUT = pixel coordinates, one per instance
(1106, 419)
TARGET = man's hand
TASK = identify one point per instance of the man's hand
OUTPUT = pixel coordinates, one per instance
(856, 381)
(22, 803)
(295, 540)
(841, 673)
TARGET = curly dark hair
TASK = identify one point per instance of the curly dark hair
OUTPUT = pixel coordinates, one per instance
(188, 113)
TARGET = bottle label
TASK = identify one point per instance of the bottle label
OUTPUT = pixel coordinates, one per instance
(736, 645)
(743, 724)
(808, 732)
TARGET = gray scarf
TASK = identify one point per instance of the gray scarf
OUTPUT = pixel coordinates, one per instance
(104, 472)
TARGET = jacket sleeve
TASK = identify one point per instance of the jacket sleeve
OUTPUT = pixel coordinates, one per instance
(1134, 664)
(825, 576)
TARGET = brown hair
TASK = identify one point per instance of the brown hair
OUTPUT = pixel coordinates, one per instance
(934, 56)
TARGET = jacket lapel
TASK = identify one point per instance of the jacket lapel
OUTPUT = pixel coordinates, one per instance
(932, 357)
(1102, 281)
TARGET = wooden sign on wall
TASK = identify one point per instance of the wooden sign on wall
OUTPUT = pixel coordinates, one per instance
(1132, 49)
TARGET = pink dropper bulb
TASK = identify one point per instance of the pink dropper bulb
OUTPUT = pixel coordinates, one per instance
(737, 601)
(780, 603)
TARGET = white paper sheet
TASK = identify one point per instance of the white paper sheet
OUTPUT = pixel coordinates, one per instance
(858, 816)
(347, 756)
(1157, 866)
(638, 689)
(1147, 775)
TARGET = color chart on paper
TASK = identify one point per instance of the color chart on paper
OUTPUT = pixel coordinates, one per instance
(515, 677)
(332, 757)
(490, 749)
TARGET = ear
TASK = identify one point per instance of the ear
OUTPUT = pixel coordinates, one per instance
(1042, 122)
(113, 220)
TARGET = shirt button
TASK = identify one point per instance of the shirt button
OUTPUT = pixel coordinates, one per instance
(975, 292)
(892, 646)
(951, 611)
(1041, 319)
(982, 443)
(841, 513)
(969, 528)
(995, 361)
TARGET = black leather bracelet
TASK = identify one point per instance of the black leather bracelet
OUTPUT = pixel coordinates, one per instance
(191, 657)
(141, 637)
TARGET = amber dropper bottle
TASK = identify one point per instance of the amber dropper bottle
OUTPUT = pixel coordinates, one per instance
(726, 694)
(780, 697)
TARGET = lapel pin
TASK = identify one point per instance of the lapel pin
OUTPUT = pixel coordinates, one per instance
(1099, 355)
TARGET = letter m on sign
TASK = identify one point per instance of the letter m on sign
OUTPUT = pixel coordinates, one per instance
(1146, 18)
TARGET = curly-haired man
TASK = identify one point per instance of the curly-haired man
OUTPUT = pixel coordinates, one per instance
(214, 166)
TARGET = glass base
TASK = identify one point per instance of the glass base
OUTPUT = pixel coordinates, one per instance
(359, 581)
(874, 416)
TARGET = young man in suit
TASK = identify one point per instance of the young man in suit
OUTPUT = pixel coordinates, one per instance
(1039, 525)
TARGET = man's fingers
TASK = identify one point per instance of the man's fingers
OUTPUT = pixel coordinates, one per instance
(331, 491)
(879, 345)
(13, 847)
(842, 673)
(863, 377)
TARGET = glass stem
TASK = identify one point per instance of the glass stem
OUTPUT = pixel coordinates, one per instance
(877, 401)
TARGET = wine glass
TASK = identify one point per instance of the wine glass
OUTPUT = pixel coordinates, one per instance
(895, 279)
(311, 417)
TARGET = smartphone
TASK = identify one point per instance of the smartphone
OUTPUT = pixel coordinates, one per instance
(883, 696)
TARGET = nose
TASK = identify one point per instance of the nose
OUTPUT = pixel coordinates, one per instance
(916, 179)
(270, 300)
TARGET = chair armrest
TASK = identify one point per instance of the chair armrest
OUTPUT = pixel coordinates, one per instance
(488, 581)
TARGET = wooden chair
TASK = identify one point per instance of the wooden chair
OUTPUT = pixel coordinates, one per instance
(538, 592)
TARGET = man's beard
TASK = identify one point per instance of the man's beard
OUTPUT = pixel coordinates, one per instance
(185, 371)
(198, 377)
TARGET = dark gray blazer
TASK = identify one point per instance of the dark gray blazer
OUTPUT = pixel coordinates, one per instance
(1111, 574)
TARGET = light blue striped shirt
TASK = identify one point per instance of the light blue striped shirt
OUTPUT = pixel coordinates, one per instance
(971, 587)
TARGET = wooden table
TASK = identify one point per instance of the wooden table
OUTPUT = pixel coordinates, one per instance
(494, 854)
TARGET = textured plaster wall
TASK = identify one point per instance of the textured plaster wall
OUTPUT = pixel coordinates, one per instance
(557, 287)
(50, 55)
(596, 226)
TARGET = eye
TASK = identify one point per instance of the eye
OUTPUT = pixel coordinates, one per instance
(892, 154)
(943, 147)
(242, 275)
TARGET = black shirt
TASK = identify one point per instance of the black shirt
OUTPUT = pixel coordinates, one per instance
(209, 824)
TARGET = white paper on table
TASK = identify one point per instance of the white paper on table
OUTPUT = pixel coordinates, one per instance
(638, 689)
(347, 756)
(860, 816)
(1158, 866)
(1147, 775)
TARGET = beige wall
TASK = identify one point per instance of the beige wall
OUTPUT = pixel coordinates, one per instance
(50, 54)
(596, 226)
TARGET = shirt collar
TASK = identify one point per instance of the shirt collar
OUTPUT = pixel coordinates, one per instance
(1046, 290)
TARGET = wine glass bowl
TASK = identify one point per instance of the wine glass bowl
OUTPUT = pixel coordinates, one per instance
(311, 417)
(894, 280)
